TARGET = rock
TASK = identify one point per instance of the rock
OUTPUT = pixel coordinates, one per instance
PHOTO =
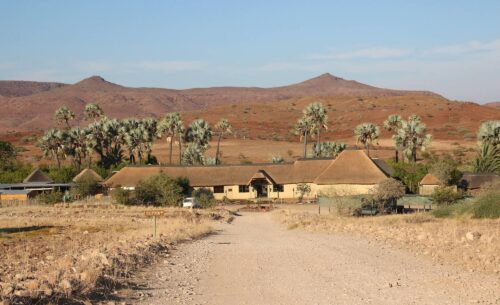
(65, 285)
(473, 236)
(32, 285)
(22, 293)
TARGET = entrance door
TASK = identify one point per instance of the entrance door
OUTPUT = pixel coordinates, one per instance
(261, 189)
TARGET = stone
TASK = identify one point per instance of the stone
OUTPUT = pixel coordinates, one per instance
(65, 285)
(472, 236)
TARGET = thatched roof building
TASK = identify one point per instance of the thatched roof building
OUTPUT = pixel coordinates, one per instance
(351, 167)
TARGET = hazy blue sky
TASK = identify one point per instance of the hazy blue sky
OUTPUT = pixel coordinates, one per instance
(450, 47)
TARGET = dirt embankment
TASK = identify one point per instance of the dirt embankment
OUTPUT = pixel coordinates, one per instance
(79, 253)
(470, 243)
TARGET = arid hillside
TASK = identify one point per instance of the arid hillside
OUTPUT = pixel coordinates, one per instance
(256, 113)
(494, 105)
(445, 119)
(30, 112)
(23, 88)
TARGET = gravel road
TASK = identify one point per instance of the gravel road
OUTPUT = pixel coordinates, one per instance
(255, 260)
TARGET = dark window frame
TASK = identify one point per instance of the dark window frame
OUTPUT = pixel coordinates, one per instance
(218, 189)
(243, 188)
(278, 188)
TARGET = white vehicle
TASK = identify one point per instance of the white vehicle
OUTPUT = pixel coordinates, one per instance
(190, 202)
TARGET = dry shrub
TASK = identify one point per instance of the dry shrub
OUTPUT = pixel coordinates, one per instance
(59, 252)
(444, 240)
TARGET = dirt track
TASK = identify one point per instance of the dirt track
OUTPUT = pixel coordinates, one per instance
(255, 260)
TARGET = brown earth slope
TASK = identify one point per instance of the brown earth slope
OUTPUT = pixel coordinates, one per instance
(34, 111)
(23, 88)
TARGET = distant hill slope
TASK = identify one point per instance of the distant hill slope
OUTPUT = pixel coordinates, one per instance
(22, 88)
(493, 104)
(32, 109)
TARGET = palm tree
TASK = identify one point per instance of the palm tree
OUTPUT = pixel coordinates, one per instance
(199, 133)
(222, 127)
(168, 127)
(489, 131)
(106, 137)
(76, 145)
(193, 155)
(93, 111)
(392, 124)
(487, 159)
(329, 149)
(366, 133)
(316, 115)
(52, 145)
(411, 136)
(303, 128)
(64, 115)
(277, 159)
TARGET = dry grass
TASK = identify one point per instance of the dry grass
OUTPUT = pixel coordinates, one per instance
(444, 240)
(57, 252)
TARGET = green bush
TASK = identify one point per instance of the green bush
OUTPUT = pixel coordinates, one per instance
(445, 195)
(159, 190)
(205, 197)
(122, 196)
(85, 187)
(50, 197)
(409, 173)
(65, 174)
(443, 211)
(15, 172)
(487, 206)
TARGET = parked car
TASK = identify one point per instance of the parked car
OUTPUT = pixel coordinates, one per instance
(190, 202)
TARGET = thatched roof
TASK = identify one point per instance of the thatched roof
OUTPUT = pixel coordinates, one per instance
(88, 174)
(351, 167)
(430, 179)
(476, 180)
(37, 176)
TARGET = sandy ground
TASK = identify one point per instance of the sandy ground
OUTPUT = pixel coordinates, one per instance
(255, 260)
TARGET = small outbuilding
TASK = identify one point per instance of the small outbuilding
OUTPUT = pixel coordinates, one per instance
(473, 182)
(88, 174)
(428, 184)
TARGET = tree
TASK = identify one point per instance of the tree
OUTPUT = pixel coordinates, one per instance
(193, 155)
(446, 171)
(77, 145)
(199, 132)
(205, 197)
(107, 138)
(85, 187)
(328, 149)
(277, 159)
(170, 127)
(64, 115)
(158, 190)
(8, 154)
(139, 136)
(445, 195)
(387, 192)
(303, 127)
(93, 111)
(51, 144)
(392, 124)
(303, 189)
(367, 133)
(412, 137)
(487, 159)
(222, 127)
(315, 113)
(489, 132)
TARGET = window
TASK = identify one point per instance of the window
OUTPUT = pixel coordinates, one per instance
(278, 188)
(218, 189)
(244, 188)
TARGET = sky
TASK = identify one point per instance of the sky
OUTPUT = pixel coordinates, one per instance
(449, 47)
